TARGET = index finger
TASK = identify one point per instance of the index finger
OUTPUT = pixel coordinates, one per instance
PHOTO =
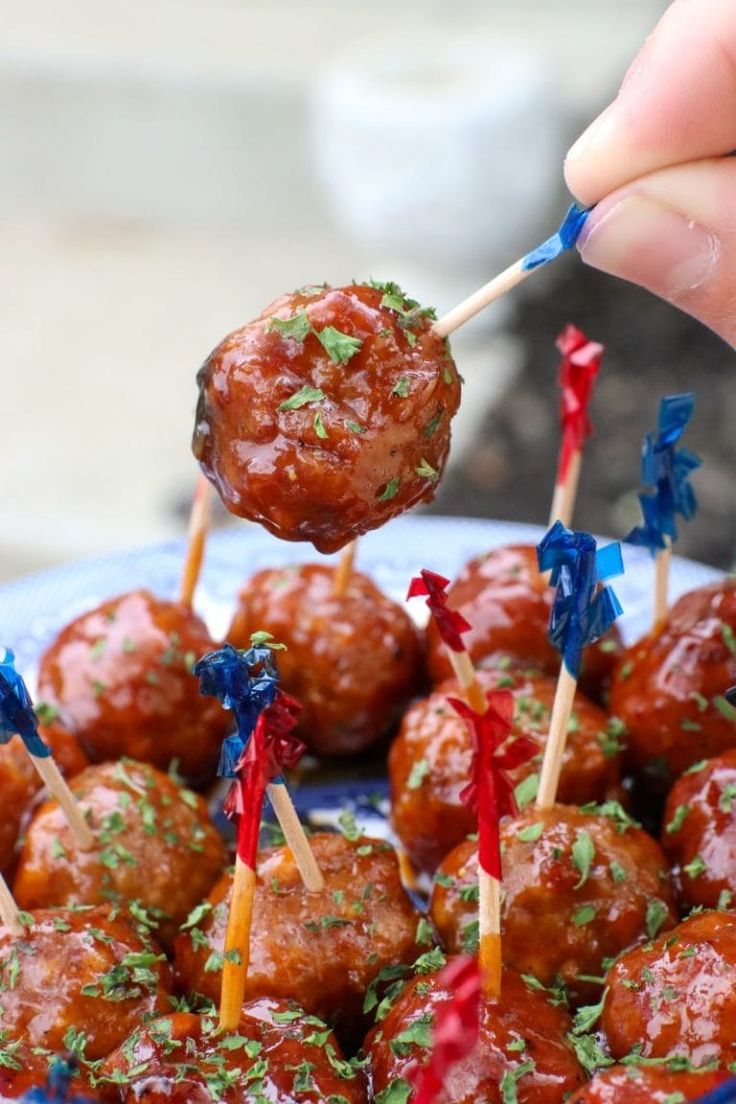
(677, 103)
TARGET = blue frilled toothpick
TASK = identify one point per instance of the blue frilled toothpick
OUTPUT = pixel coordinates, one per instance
(57, 1086)
(582, 611)
(246, 682)
(561, 241)
(17, 717)
(665, 472)
(723, 1094)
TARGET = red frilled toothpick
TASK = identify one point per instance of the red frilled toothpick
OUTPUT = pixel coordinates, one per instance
(491, 793)
(455, 1032)
(581, 361)
(451, 625)
(270, 750)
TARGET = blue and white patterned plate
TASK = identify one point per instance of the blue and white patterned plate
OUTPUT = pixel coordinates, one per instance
(34, 608)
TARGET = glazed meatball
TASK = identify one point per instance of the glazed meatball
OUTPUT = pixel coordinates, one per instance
(20, 783)
(668, 689)
(91, 969)
(677, 995)
(351, 660)
(508, 604)
(157, 846)
(121, 679)
(319, 949)
(430, 760)
(523, 1046)
(578, 888)
(278, 1054)
(699, 833)
(329, 414)
(647, 1085)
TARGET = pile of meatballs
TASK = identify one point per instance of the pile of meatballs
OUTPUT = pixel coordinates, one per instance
(619, 940)
(322, 419)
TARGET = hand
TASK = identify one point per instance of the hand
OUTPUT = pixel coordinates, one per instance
(655, 163)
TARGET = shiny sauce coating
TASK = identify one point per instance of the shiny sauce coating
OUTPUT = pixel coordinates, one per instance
(699, 833)
(20, 783)
(327, 415)
(677, 995)
(522, 1046)
(320, 949)
(508, 604)
(578, 888)
(351, 660)
(277, 1054)
(121, 678)
(647, 1085)
(156, 845)
(430, 760)
(668, 688)
(93, 970)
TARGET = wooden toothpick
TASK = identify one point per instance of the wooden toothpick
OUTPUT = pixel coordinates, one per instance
(199, 523)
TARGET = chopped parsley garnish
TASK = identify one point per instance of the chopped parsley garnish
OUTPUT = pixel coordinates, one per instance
(340, 347)
(678, 819)
(401, 387)
(319, 426)
(417, 774)
(302, 397)
(426, 470)
(583, 855)
(391, 490)
(656, 915)
(296, 327)
(583, 915)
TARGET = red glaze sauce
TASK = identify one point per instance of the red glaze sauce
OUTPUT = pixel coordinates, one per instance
(647, 1085)
(20, 783)
(522, 1026)
(121, 678)
(371, 442)
(156, 845)
(579, 888)
(677, 995)
(430, 760)
(351, 660)
(668, 688)
(508, 603)
(278, 1054)
(92, 970)
(319, 949)
(699, 833)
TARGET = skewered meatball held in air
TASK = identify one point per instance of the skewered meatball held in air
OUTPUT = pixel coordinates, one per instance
(92, 970)
(351, 660)
(320, 949)
(578, 888)
(669, 687)
(277, 1054)
(156, 845)
(677, 995)
(329, 414)
(523, 1047)
(647, 1085)
(20, 782)
(121, 679)
(508, 602)
(699, 833)
(430, 760)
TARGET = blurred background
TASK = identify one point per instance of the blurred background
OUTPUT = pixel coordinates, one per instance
(171, 166)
